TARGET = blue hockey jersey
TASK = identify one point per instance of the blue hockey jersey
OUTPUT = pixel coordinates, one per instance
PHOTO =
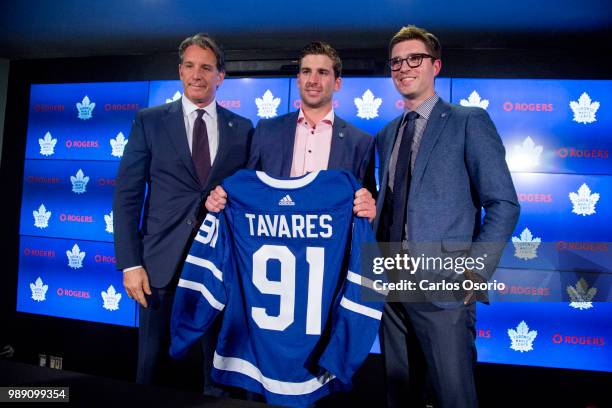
(282, 263)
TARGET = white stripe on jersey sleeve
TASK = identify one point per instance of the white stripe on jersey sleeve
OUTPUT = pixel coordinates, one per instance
(205, 263)
(361, 309)
(365, 282)
(241, 366)
(198, 287)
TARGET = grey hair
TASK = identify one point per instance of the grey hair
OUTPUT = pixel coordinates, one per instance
(206, 42)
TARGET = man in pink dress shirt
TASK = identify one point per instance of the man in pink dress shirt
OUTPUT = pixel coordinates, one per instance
(313, 138)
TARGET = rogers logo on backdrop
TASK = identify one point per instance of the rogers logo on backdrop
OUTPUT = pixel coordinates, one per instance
(42, 107)
(73, 293)
(76, 218)
(99, 258)
(484, 333)
(525, 290)
(571, 152)
(230, 103)
(527, 107)
(45, 253)
(121, 107)
(559, 338)
(43, 180)
(535, 197)
(82, 144)
(106, 182)
(582, 246)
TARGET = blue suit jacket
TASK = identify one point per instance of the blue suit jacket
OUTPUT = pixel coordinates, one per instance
(459, 169)
(157, 158)
(351, 148)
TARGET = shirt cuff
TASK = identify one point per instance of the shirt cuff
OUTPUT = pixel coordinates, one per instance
(131, 268)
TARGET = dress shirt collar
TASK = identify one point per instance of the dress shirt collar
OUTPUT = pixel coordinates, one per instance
(189, 107)
(329, 118)
(425, 108)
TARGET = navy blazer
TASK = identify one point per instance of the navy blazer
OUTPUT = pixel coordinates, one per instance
(157, 158)
(460, 168)
(351, 148)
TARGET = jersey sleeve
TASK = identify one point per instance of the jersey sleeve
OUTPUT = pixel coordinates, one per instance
(356, 314)
(201, 293)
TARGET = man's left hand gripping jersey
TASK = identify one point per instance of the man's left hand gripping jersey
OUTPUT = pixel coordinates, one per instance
(282, 262)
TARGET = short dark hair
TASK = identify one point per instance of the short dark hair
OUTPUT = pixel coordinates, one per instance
(322, 48)
(412, 32)
(206, 42)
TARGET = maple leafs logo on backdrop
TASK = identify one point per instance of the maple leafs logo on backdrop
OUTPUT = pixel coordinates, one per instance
(47, 144)
(367, 105)
(581, 295)
(522, 338)
(267, 105)
(41, 217)
(584, 202)
(585, 109)
(526, 246)
(85, 108)
(475, 100)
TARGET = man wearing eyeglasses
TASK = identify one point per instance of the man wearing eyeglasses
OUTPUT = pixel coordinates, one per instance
(440, 164)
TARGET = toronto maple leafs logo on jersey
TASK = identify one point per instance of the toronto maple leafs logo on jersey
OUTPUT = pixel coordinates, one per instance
(118, 145)
(526, 246)
(267, 105)
(108, 219)
(176, 97)
(39, 290)
(585, 109)
(475, 100)
(75, 257)
(584, 202)
(79, 182)
(524, 156)
(367, 105)
(41, 217)
(581, 295)
(111, 298)
(522, 338)
(47, 145)
(85, 108)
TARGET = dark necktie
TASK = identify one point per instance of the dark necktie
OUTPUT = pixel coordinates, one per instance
(200, 152)
(401, 183)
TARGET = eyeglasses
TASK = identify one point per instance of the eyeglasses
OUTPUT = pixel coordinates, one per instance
(413, 61)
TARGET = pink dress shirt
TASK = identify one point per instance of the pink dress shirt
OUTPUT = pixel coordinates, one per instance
(312, 144)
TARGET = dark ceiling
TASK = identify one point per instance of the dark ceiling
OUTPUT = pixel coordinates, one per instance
(77, 28)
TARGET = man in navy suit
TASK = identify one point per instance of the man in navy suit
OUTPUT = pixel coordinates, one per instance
(440, 164)
(176, 153)
(313, 138)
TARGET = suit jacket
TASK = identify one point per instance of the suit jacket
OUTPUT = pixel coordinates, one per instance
(157, 160)
(460, 168)
(351, 148)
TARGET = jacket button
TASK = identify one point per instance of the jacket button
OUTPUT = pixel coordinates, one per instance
(189, 222)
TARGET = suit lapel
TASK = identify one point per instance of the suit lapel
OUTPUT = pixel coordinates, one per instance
(287, 135)
(225, 129)
(175, 126)
(435, 125)
(388, 146)
(337, 143)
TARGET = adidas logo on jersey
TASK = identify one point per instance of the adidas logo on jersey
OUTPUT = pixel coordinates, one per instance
(286, 200)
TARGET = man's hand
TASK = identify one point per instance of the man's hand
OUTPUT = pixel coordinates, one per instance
(136, 283)
(364, 204)
(216, 200)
